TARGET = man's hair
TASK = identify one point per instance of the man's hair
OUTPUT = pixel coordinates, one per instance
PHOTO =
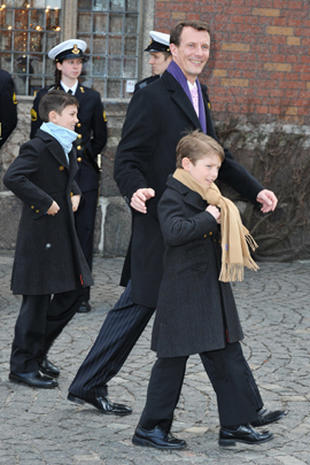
(55, 100)
(197, 145)
(176, 32)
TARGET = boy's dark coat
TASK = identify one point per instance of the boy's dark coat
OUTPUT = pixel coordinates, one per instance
(196, 312)
(48, 256)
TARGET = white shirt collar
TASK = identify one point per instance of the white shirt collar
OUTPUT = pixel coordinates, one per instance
(66, 88)
(191, 86)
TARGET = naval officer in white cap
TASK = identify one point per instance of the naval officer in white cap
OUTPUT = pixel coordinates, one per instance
(68, 57)
(160, 57)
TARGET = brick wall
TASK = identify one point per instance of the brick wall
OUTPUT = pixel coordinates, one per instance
(260, 60)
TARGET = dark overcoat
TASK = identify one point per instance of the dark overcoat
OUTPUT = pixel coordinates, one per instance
(157, 117)
(195, 311)
(91, 129)
(8, 106)
(48, 255)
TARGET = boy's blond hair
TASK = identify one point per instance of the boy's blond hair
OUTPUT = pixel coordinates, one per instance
(197, 145)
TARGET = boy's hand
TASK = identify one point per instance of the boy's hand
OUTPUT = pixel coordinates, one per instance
(268, 200)
(54, 209)
(75, 200)
(140, 197)
(215, 212)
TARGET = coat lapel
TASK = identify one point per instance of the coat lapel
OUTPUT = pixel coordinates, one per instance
(190, 197)
(54, 147)
(180, 98)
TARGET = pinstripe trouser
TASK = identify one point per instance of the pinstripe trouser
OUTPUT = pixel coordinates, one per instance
(121, 329)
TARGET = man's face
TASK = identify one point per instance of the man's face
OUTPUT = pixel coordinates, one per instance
(192, 53)
(159, 62)
(67, 118)
(70, 69)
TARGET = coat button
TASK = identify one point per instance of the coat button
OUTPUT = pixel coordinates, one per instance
(210, 233)
(61, 168)
(78, 125)
(205, 236)
(79, 159)
(79, 147)
(32, 207)
(79, 136)
(37, 211)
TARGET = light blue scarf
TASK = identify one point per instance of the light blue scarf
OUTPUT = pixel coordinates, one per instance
(63, 135)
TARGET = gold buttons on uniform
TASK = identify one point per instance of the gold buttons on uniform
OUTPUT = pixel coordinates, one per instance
(79, 136)
(78, 125)
(210, 233)
(37, 211)
(32, 207)
(79, 147)
(205, 236)
(79, 159)
(61, 168)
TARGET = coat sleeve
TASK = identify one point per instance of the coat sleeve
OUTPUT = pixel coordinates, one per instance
(136, 146)
(8, 108)
(176, 228)
(17, 179)
(35, 118)
(99, 129)
(231, 172)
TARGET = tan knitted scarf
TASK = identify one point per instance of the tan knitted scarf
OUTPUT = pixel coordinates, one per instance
(235, 238)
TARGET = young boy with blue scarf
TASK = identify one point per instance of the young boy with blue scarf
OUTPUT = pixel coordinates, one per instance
(49, 268)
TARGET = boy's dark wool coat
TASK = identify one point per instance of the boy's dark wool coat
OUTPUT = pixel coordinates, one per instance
(195, 311)
(48, 255)
(157, 117)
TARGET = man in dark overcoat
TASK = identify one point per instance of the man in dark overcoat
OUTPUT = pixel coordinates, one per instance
(49, 268)
(8, 106)
(92, 137)
(157, 117)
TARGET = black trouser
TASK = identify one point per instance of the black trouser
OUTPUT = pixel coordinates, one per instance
(231, 379)
(85, 218)
(120, 331)
(41, 319)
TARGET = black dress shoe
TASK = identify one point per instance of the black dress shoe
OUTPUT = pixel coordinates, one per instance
(84, 307)
(245, 434)
(48, 368)
(103, 404)
(157, 438)
(264, 416)
(34, 379)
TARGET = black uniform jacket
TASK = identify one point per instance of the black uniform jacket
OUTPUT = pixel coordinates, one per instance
(92, 130)
(8, 106)
(48, 255)
(157, 117)
(195, 311)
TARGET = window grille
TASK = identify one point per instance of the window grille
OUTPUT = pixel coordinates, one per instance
(28, 29)
(111, 30)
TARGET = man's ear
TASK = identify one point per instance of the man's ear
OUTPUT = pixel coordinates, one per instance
(58, 66)
(173, 49)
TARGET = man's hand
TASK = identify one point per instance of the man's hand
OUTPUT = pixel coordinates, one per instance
(140, 197)
(75, 200)
(268, 200)
(54, 209)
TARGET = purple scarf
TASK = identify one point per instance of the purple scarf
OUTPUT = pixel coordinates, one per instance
(178, 75)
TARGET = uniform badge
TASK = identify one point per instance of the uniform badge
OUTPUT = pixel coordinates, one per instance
(75, 50)
(34, 115)
(209, 105)
(14, 98)
(105, 119)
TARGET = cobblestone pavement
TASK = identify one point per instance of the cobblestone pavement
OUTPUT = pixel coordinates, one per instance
(40, 427)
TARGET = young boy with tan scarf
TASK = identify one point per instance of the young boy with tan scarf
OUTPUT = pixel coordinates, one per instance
(206, 246)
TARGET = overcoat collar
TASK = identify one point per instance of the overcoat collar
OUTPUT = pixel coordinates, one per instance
(190, 197)
(180, 98)
(54, 147)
